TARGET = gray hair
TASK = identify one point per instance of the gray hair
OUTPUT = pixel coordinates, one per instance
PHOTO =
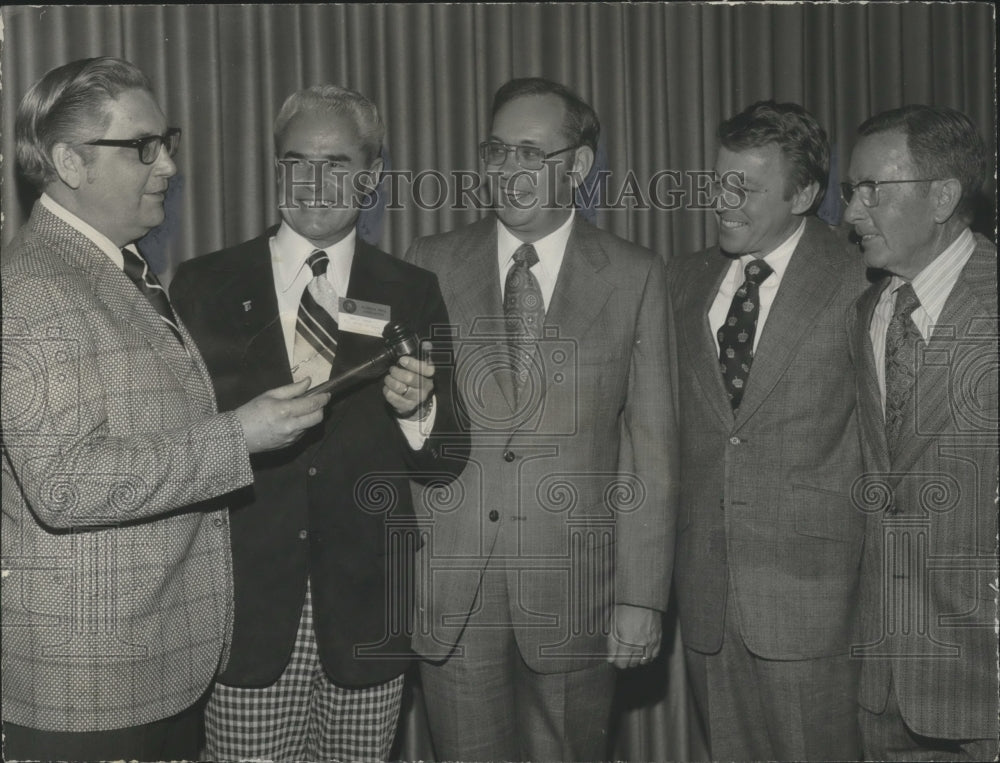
(331, 99)
(943, 142)
(69, 105)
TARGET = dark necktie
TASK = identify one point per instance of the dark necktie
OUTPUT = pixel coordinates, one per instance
(315, 327)
(737, 333)
(524, 310)
(901, 339)
(138, 271)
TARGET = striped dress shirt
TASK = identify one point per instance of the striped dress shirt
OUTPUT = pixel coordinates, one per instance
(932, 285)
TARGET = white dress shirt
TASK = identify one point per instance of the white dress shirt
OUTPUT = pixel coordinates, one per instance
(778, 259)
(550, 250)
(932, 286)
(289, 252)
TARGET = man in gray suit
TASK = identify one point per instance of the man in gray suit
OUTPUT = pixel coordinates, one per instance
(925, 342)
(549, 562)
(117, 595)
(768, 542)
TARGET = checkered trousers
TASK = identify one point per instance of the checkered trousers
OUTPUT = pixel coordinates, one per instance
(303, 715)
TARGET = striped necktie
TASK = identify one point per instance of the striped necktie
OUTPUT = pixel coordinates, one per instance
(138, 271)
(315, 327)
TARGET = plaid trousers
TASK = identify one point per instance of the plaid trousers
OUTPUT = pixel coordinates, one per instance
(303, 716)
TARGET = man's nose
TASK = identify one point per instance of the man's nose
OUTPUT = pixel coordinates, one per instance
(855, 211)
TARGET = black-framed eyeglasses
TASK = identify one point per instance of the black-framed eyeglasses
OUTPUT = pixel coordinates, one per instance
(495, 152)
(149, 146)
(867, 190)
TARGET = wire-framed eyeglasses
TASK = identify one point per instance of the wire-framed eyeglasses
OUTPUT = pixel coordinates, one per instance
(867, 190)
(495, 152)
(148, 146)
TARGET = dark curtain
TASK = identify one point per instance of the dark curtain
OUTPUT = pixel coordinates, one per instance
(661, 77)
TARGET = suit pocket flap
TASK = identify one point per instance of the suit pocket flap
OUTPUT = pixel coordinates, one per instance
(823, 513)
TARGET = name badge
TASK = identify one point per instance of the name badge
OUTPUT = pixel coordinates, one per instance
(360, 317)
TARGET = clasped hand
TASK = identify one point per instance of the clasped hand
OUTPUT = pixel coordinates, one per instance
(409, 383)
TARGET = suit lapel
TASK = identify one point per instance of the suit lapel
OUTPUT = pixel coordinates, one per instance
(250, 303)
(869, 398)
(807, 287)
(580, 292)
(696, 333)
(112, 287)
(933, 385)
(475, 301)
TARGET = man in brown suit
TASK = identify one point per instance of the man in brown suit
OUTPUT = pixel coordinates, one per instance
(768, 543)
(924, 339)
(550, 562)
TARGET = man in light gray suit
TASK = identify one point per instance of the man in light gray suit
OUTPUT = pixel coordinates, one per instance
(117, 590)
(550, 562)
(768, 542)
(925, 341)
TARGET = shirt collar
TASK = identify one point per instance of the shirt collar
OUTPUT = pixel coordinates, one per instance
(550, 249)
(933, 284)
(104, 243)
(291, 250)
(779, 257)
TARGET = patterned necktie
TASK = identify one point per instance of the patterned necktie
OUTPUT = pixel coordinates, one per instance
(737, 333)
(901, 339)
(138, 271)
(524, 310)
(315, 328)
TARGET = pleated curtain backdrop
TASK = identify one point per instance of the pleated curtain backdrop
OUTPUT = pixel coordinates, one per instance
(661, 77)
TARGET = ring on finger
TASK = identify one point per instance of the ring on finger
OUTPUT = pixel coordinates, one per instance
(406, 388)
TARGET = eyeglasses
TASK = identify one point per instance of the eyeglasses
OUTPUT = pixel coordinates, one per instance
(148, 147)
(868, 189)
(495, 152)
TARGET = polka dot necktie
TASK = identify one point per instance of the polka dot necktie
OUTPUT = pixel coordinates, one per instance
(901, 338)
(137, 269)
(315, 328)
(737, 333)
(524, 310)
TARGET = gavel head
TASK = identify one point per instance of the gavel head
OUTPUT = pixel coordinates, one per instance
(400, 340)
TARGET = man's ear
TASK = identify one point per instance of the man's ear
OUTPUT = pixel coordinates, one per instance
(367, 180)
(583, 160)
(69, 165)
(946, 195)
(804, 198)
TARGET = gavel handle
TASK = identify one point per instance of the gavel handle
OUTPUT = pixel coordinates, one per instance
(367, 370)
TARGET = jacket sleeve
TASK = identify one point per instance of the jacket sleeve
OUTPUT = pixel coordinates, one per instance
(85, 452)
(648, 456)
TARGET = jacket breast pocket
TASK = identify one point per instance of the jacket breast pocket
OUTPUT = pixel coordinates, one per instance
(821, 513)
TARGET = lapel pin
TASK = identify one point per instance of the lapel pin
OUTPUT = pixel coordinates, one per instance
(247, 305)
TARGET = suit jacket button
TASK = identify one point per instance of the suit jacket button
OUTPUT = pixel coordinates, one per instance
(722, 504)
(303, 534)
(312, 471)
(509, 455)
(494, 515)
